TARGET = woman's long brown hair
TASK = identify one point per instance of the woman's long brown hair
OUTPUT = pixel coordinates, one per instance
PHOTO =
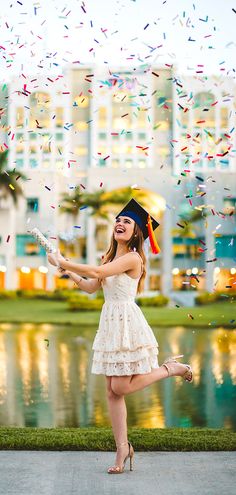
(134, 244)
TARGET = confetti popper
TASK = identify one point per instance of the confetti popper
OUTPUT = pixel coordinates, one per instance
(43, 241)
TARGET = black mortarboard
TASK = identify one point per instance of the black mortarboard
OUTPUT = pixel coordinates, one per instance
(144, 220)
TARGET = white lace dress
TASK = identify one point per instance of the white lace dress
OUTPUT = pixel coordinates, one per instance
(124, 343)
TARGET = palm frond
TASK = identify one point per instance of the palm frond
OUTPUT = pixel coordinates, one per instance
(9, 186)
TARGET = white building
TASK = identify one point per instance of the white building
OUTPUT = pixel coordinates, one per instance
(172, 137)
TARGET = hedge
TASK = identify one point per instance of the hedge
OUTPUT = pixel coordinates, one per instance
(159, 300)
(211, 297)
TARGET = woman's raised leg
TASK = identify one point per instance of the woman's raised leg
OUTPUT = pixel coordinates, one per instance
(129, 384)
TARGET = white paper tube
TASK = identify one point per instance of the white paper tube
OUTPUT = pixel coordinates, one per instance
(43, 241)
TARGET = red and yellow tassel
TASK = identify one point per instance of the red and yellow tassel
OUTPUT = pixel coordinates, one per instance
(154, 246)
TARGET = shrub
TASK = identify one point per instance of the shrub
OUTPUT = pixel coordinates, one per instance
(210, 297)
(8, 294)
(56, 295)
(64, 294)
(34, 293)
(84, 303)
(159, 300)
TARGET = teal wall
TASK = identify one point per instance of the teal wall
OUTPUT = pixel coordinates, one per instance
(22, 240)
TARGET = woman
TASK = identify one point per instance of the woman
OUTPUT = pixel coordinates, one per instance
(125, 348)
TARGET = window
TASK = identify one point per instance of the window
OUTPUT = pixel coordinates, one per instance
(163, 151)
(46, 164)
(82, 101)
(128, 150)
(224, 117)
(20, 117)
(33, 163)
(32, 205)
(40, 103)
(129, 135)
(115, 163)
(128, 163)
(19, 163)
(154, 282)
(101, 162)
(121, 114)
(27, 246)
(142, 163)
(101, 237)
(154, 263)
(116, 149)
(59, 165)
(102, 135)
(46, 143)
(59, 117)
(225, 246)
(203, 110)
(81, 150)
(81, 125)
(186, 248)
(184, 117)
(33, 143)
(102, 150)
(142, 117)
(33, 148)
(20, 146)
(102, 117)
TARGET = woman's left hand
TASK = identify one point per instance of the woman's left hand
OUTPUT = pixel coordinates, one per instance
(55, 258)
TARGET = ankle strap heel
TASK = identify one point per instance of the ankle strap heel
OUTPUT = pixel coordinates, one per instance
(120, 444)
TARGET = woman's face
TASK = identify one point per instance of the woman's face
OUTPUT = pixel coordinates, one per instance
(123, 229)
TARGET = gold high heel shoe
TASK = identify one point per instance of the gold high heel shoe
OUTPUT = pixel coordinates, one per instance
(118, 469)
(188, 374)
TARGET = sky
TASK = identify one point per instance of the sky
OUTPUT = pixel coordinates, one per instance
(44, 36)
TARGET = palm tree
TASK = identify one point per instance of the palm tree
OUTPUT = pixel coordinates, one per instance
(188, 221)
(71, 203)
(100, 201)
(8, 180)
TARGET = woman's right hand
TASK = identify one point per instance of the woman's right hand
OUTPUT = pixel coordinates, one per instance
(62, 271)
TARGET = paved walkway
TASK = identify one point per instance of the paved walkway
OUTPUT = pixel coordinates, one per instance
(84, 473)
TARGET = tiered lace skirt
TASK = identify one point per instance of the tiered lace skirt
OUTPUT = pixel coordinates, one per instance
(124, 344)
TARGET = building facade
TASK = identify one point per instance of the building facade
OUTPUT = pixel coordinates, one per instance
(171, 137)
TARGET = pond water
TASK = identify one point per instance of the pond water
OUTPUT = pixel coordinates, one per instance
(45, 379)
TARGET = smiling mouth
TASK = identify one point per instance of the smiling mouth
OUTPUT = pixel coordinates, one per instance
(119, 231)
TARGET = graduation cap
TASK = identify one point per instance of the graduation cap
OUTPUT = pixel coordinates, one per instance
(144, 220)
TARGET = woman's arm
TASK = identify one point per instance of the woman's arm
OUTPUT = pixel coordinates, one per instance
(89, 286)
(120, 265)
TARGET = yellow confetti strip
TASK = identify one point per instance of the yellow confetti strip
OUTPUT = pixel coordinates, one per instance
(11, 186)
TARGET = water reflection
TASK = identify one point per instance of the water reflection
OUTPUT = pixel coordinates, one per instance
(45, 380)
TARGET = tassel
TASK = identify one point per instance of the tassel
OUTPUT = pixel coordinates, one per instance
(154, 246)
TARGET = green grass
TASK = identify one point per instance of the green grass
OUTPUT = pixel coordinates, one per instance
(143, 439)
(38, 311)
